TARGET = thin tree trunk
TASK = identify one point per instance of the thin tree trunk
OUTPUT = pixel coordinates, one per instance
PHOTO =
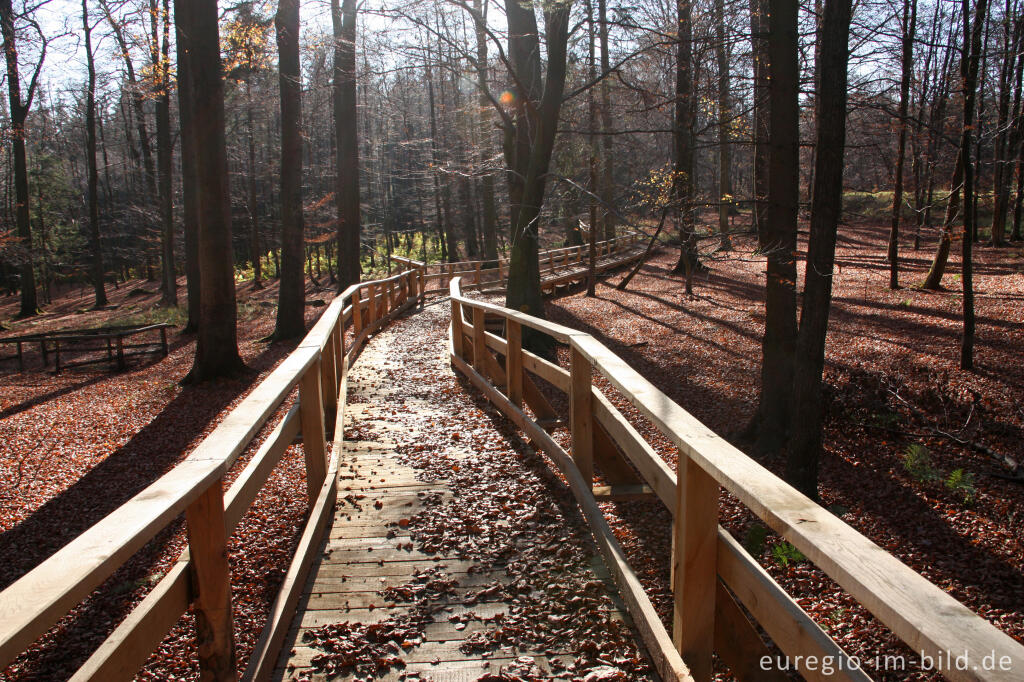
(95, 248)
(907, 66)
(291, 296)
(969, 72)
(490, 213)
(343, 18)
(725, 191)
(683, 141)
(164, 152)
(189, 177)
(255, 249)
(761, 113)
(807, 418)
(779, 240)
(607, 139)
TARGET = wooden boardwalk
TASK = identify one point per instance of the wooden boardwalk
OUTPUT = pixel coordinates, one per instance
(369, 547)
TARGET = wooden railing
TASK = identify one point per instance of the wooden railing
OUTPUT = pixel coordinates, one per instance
(712, 574)
(200, 580)
(478, 274)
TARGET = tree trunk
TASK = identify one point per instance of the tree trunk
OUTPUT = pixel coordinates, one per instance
(291, 295)
(607, 180)
(804, 450)
(969, 72)
(95, 248)
(778, 240)
(343, 19)
(490, 213)
(189, 177)
(217, 345)
(907, 67)
(255, 249)
(164, 153)
(761, 114)
(529, 143)
(725, 192)
(682, 136)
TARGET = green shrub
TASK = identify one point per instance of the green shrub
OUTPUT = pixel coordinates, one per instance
(754, 540)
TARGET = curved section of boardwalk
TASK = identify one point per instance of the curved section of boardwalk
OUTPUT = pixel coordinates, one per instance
(454, 553)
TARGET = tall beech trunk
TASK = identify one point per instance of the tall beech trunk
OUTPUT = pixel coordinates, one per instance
(529, 142)
(725, 205)
(906, 74)
(778, 240)
(969, 73)
(804, 451)
(292, 294)
(92, 171)
(164, 150)
(343, 19)
(189, 178)
(217, 343)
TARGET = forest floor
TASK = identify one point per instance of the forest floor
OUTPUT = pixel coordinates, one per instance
(893, 383)
(78, 444)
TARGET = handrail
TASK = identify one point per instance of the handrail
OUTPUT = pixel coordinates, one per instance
(925, 617)
(201, 578)
(550, 260)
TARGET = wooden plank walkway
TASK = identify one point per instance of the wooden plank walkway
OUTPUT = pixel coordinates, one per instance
(378, 573)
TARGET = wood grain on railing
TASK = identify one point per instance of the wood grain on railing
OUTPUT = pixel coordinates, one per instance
(705, 556)
(200, 579)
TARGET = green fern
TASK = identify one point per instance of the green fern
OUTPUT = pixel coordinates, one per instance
(962, 482)
(917, 461)
(783, 553)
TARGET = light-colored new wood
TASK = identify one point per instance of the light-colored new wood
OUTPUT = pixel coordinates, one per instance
(514, 362)
(479, 342)
(130, 645)
(581, 416)
(795, 633)
(693, 566)
(211, 586)
(314, 443)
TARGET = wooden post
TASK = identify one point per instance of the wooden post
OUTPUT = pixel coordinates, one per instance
(311, 413)
(42, 350)
(371, 307)
(479, 342)
(457, 329)
(695, 541)
(163, 340)
(357, 312)
(211, 585)
(514, 361)
(581, 415)
(110, 349)
(476, 275)
(56, 350)
(329, 380)
(120, 352)
(21, 359)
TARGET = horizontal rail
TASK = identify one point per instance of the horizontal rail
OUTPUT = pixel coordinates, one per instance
(318, 366)
(924, 616)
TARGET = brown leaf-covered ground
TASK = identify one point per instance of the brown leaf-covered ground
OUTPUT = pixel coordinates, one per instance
(892, 380)
(77, 445)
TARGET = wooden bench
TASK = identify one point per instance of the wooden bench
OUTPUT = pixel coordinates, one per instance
(110, 341)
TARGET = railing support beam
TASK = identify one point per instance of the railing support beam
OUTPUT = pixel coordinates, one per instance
(694, 567)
